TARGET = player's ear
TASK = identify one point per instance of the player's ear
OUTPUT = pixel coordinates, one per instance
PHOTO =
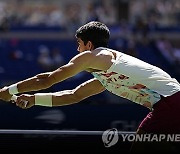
(90, 45)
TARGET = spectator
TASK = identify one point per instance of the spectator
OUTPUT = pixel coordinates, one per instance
(44, 59)
(16, 55)
(57, 58)
(167, 50)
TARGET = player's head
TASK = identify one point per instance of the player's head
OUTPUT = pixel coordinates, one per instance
(94, 34)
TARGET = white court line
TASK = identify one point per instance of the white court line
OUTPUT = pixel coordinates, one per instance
(57, 132)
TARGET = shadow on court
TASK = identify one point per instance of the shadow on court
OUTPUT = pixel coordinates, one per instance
(72, 144)
(58, 144)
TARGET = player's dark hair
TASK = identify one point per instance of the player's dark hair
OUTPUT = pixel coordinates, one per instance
(96, 32)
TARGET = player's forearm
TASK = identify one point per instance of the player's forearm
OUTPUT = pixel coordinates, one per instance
(35, 83)
(65, 97)
(43, 81)
(32, 84)
(61, 98)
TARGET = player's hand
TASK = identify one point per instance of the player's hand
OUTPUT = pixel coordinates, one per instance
(4, 94)
(25, 101)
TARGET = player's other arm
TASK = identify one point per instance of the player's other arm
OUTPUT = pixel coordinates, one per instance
(83, 91)
(66, 97)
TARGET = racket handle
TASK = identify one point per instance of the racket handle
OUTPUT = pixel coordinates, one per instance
(14, 98)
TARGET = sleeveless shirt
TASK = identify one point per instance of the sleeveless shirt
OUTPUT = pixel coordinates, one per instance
(136, 80)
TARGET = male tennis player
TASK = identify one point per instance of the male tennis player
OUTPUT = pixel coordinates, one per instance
(119, 73)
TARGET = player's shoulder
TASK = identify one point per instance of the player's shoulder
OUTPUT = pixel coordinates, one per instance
(86, 54)
(105, 51)
(83, 56)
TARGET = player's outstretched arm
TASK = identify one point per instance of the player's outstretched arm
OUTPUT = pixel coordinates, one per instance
(43, 81)
(7, 92)
(66, 97)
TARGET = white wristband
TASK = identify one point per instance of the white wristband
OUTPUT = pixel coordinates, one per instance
(43, 99)
(13, 89)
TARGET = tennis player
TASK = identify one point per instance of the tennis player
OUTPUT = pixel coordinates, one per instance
(119, 73)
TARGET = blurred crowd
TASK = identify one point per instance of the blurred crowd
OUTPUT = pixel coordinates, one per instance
(160, 12)
(70, 14)
(67, 14)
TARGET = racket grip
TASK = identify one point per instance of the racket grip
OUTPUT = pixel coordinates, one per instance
(14, 98)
